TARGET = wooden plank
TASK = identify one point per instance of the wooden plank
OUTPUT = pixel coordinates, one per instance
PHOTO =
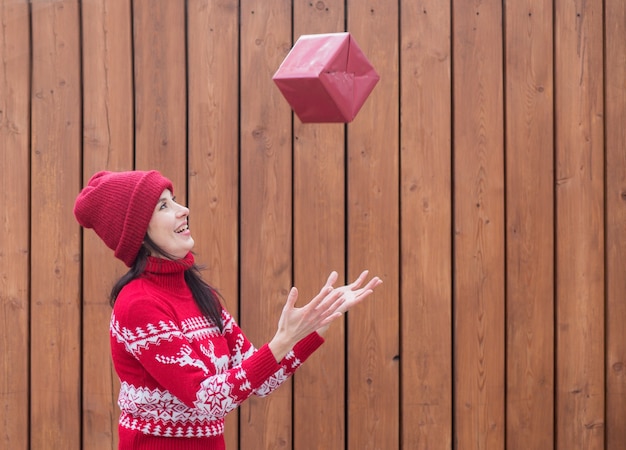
(107, 145)
(161, 90)
(319, 247)
(213, 150)
(479, 256)
(615, 97)
(373, 236)
(426, 220)
(55, 411)
(580, 225)
(14, 217)
(530, 225)
(266, 231)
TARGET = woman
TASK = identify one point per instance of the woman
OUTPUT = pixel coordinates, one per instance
(182, 360)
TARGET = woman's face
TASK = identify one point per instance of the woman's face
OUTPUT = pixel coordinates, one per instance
(168, 227)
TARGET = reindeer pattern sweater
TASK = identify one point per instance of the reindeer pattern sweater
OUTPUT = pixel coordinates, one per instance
(179, 374)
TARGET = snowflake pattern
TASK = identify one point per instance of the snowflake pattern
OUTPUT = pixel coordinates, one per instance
(155, 405)
(216, 397)
(192, 343)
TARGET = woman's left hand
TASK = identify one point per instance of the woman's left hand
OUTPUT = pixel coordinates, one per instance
(353, 294)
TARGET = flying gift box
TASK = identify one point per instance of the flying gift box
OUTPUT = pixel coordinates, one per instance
(326, 78)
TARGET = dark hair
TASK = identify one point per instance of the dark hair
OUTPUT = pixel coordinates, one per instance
(206, 297)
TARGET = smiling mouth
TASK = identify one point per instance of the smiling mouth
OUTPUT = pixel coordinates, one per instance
(181, 229)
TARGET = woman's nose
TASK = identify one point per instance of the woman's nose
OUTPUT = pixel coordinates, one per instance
(183, 210)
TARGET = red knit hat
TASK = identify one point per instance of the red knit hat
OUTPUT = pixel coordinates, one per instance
(119, 206)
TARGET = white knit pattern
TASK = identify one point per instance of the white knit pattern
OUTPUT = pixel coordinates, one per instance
(140, 338)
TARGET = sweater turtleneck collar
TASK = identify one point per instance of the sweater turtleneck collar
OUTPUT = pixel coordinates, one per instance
(168, 273)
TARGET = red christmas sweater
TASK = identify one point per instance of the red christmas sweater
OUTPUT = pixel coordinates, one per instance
(179, 374)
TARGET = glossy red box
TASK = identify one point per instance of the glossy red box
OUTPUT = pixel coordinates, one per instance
(326, 78)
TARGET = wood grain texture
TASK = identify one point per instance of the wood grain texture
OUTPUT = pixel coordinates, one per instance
(530, 225)
(14, 218)
(479, 257)
(266, 207)
(426, 221)
(615, 98)
(213, 154)
(108, 125)
(160, 90)
(319, 241)
(580, 255)
(55, 327)
(373, 352)
(483, 180)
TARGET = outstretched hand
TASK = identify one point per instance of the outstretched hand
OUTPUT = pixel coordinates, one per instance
(329, 304)
(296, 323)
(353, 294)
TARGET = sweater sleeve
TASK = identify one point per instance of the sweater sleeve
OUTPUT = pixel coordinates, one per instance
(241, 350)
(146, 332)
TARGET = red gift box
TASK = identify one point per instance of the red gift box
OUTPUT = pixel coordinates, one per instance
(326, 78)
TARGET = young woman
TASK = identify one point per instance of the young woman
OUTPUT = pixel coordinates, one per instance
(182, 360)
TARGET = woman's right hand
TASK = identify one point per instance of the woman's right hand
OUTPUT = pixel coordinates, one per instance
(296, 323)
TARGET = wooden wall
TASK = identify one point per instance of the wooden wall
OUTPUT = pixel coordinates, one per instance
(484, 180)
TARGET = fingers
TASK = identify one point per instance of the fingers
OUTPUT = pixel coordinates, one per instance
(337, 298)
(332, 278)
(335, 310)
(356, 283)
(330, 302)
(371, 284)
(326, 289)
(328, 320)
(354, 294)
(327, 306)
(317, 301)
(292, 298)
(353, 298)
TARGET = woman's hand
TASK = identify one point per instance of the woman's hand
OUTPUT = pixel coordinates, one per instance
(353, 294)
(297, 323)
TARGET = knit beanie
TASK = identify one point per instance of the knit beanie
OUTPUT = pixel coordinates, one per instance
(119, 206)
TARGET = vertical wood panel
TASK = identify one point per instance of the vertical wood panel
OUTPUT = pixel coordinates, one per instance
(580, 225)
(212, 42)
(530, 225)
(478, 225)
(55, 173)
(615, 95)
(161, 90)
(107, 145)
(319, 242)
(14, 217)
(373, 235)
(426, 214)
(266, 231)
(549, 98)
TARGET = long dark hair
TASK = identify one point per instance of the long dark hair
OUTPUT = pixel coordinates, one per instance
(207, 298)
